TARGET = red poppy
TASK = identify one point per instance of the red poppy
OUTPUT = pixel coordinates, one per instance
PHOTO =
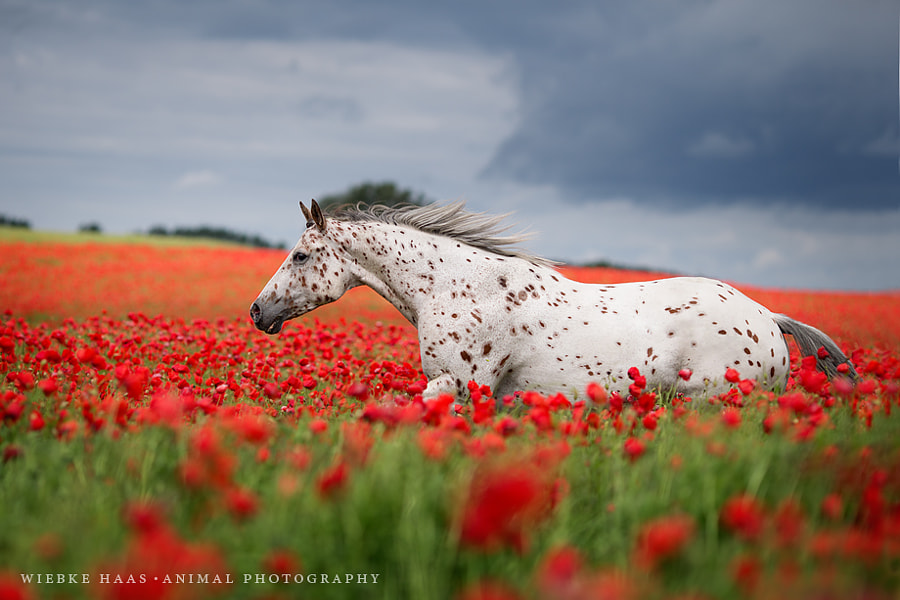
(558, 572)
(662, 539)
(746, 572)
(241, 503)
(634, 448)
(503, 502)
(744, 516)
(318, 426)
(35, 421)
(597, 393)
(279, 562)
(12, 588)
(49, 386)
(788, 520)
(333, 480)
(731, 417)
(489, 590)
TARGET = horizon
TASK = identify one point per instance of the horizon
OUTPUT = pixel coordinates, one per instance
(103, 236)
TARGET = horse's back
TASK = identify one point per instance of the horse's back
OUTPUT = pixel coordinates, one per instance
(661, 327)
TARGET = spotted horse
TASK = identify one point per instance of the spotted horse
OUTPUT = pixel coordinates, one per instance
(489, 312)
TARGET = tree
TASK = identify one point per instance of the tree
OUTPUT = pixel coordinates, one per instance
(369, 193)
(14, 222)
(92, 227)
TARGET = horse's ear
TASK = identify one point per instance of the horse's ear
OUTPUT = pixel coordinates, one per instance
(306, 214)
(317, 216)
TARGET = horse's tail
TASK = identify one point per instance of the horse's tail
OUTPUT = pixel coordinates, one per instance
(810, 340)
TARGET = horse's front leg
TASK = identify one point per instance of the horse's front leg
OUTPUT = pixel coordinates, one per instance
(443, 384)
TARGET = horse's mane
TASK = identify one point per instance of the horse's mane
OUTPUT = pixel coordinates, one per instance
(450, 220)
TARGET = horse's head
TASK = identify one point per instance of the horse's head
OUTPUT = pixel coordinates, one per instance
(313, 274)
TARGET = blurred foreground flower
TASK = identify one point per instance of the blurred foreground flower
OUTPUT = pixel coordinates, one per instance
(505, 500)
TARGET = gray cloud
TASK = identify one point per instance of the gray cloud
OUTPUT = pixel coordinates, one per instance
(694, 102)
(715, 102)
(319, 106)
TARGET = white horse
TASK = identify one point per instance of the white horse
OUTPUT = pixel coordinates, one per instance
(493, 314)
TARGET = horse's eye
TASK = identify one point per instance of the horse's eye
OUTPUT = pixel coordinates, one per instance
(299, 258)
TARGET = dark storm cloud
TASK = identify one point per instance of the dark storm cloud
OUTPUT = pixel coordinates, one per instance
(694, 102)
(717, 101)
(699, 101)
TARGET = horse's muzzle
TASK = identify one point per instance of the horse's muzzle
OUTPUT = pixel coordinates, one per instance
(262, 323)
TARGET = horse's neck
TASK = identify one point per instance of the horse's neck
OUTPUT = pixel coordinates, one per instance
(399, 263)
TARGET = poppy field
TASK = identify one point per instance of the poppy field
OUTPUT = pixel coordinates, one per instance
(154, 444)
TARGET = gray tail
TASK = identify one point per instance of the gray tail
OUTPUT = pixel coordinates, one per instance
(810, 340)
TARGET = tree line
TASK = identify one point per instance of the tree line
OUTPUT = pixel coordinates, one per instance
(6, 221)
(368, 193)
(216, 233)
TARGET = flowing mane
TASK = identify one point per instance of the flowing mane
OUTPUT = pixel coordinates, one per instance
(450, 220)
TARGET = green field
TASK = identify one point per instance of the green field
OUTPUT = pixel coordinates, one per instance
(20, 234)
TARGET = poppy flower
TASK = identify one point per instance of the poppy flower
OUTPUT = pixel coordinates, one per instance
(49, 386)
(732, 376)
(332, 481)
(744, 516)
(12, 588)
(789, 522)
(558, 572)
(597, 393)
(280, 561)
(746, 570)
(731, 417)
(662, 539)
(489, 590)
(634, 448)
(241, 503)
(503, 502)
(35, 421)
(746, 386)
(318, 426)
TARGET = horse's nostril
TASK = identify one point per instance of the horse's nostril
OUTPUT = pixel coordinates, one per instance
(255, 312)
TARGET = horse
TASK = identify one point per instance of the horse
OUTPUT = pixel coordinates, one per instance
(489, 312)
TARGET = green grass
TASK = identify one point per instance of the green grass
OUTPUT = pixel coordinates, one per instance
(395, 517)
(18, 234)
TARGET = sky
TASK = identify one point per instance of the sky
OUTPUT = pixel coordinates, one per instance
(755, 141)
